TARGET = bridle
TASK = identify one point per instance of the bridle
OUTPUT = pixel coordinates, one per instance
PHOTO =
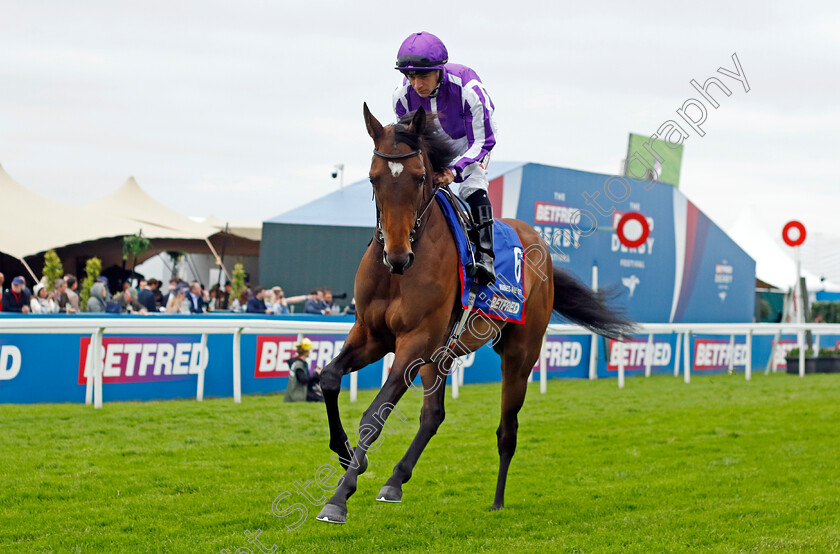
(378, 234)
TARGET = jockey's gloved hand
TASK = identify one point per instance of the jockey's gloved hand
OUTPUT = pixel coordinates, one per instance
(444, 177)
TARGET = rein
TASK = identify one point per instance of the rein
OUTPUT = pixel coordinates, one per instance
(418, 223)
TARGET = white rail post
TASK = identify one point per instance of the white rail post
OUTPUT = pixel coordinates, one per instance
(237, 365)
(677, 356)
(89, 367)
(461, 369)
(354, 386)
(387, 362)
(593, 347)
(543, 367)
(800, 339)
(731, 367)
(456, 388)
(199, 388)
(649, 355)
(98, 368)
(620, 364)
(771, 365)
(748, 364)
(687, 356)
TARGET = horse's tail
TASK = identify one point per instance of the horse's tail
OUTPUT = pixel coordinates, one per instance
(580, 304)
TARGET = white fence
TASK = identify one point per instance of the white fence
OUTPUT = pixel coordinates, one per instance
(98, 327)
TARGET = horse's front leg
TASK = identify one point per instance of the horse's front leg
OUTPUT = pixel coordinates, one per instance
(359, 350)
(407, 363)
(431, 416)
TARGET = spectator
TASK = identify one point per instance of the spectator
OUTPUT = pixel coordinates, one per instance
(145, 297)
(154, 286)
(128, 302)
(213, 297)
(104, 280)
(315, 303)
(173, 286)
(196, 297)
(351, 308)
(330, 307)
(98, 298)
(72, 295)
(303, 385)
(61, 298)
(240, 303)
(16, 299)
(280, 307)
(42, 301)
(268, 299)
(223, 298)
(178, 302)
(256, 305)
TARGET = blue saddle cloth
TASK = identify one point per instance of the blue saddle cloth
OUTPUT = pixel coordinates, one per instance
(504, 299)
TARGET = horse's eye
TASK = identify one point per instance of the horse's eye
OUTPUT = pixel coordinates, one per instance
(421, 180)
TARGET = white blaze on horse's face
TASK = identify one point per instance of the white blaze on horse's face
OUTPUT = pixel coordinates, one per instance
(396, 168)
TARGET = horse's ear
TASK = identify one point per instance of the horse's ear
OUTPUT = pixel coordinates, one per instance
(374, 128)
(418, 122)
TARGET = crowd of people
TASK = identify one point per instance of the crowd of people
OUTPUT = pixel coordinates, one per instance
(181, 297)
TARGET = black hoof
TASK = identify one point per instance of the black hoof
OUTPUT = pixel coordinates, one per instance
(496, 507)
(389, 494)
(332, 514)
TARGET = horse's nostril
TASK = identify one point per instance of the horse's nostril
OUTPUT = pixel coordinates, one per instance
(410, 260)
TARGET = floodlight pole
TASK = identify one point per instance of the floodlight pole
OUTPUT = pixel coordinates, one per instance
(800, 309)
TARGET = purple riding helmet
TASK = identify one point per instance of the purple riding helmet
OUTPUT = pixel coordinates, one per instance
(421, 52)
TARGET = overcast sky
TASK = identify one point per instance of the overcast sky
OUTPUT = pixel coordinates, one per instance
(241, 109)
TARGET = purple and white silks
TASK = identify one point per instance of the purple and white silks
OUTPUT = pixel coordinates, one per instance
(465, 113)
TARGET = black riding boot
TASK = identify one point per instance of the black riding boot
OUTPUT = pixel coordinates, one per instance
(482, 212)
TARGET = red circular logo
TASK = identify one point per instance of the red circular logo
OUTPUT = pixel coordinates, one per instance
(799, 236)
(643, 236)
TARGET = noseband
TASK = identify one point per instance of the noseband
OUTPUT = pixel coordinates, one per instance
(378, 234)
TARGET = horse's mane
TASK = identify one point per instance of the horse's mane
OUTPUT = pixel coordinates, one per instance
(437, 145)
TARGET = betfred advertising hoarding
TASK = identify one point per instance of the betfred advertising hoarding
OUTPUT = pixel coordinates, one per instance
(147, 359)
(275, 351)
(638, 351)
(713, 354)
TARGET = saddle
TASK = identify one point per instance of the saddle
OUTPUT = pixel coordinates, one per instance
(503, 300)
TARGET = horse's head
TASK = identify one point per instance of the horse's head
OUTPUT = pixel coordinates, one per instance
(401, 174)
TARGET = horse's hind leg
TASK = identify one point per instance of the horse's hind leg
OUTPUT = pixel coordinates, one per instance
(359, 350)
(519, 349)
(431, 416)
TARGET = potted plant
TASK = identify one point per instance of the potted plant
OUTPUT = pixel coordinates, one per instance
(827, 360)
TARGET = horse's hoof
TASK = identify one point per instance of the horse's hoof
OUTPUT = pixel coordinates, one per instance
(496, 507)
(389, 494)
(332, 514)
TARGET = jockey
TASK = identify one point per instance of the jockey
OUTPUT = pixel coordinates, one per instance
(456, 94)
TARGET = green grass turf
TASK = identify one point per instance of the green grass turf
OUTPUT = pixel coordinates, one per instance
(718, 465)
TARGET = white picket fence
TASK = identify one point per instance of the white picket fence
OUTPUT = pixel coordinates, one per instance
(98, 327)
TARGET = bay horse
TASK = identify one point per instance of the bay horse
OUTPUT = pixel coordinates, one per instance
(407, 302)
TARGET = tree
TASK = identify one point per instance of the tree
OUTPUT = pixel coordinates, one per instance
(92, 269)
(237, 282)
(134, 246)
(176, 258)
(52, 269)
